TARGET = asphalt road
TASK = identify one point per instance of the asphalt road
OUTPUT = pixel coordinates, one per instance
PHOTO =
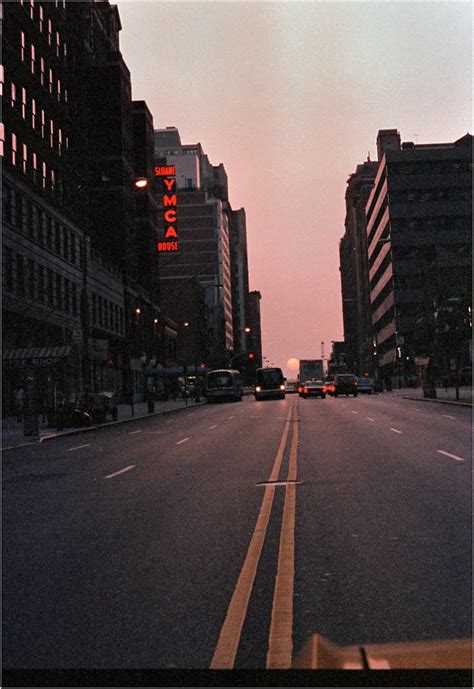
(225, 535)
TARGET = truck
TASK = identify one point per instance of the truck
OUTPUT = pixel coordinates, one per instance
(311, 369)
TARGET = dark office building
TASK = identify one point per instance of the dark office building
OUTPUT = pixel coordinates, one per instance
(69, 141)
(354, 272)
(419, 224)
(255, 326)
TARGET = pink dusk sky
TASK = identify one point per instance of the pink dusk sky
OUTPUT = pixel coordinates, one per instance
(290, 97)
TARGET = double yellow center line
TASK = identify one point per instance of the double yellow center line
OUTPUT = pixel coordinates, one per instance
(280, 642)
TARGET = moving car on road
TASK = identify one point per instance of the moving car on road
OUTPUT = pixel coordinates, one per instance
(345, 384)
(269, 383)
(224, 384)
(365, 385)
(313, 388)
(291, 386)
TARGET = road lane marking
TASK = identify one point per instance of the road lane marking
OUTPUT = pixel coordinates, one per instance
(182, 441)
(370, 418)
(280, 639)
(215, 426)
(395, 430)
(446, 416)
(229, 637)
(355, 412)
(459, 459)
(230, 417)
(71, 449)
(122, 471)
(169, 421)
(133, 432)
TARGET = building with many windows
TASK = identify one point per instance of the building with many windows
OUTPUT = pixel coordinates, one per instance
(419, 237)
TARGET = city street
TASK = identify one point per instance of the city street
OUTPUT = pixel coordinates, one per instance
(159, 543)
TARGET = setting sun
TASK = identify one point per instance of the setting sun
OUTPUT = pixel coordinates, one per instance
(293, 364)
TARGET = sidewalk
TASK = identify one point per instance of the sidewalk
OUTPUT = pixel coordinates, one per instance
(12, 430)
(443, 395)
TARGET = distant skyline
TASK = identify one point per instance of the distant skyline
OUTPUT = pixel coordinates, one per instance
(290, 97)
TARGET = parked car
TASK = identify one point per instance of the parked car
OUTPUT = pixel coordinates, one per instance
(313, 388)
(345, 384)
(365, 385)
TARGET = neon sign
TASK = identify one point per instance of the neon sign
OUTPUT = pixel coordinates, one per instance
(170, 216)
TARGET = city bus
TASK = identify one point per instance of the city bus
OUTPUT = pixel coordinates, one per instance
(224, 384)
(269, 383)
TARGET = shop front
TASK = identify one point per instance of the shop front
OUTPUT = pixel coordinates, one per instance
(47, 375)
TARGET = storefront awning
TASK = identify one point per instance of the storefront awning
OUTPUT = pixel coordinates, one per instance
(36, 356)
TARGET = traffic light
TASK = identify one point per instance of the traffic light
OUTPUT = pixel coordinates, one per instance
(251, 356)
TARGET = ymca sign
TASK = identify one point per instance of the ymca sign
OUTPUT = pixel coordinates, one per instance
(167, 173)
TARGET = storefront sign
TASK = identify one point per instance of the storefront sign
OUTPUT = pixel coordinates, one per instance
(167, 173)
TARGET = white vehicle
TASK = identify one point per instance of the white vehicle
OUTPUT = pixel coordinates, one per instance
(311, 369)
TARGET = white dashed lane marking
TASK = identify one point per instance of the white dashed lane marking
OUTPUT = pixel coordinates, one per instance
(448, 454)
(446, 416)
(355, 412)
(182, 441)
(122, 471)
(79, 447)
(215, 426)
(370, 418)
(133, 432)
(396, 430)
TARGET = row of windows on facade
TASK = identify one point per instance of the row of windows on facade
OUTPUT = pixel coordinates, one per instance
(30, 219)
(39, 122)
(30, 5)
(37, 15)
(38, 67)
(27, 278)
(31, 165)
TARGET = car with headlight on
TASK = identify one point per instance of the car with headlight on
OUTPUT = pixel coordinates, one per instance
(313, 388)
(291, 386)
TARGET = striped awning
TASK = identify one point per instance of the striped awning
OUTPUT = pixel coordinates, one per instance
(36, 356)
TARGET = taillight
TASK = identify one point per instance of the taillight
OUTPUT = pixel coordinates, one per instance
(305, 390)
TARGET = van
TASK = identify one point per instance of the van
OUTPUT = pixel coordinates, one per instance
(345, 384)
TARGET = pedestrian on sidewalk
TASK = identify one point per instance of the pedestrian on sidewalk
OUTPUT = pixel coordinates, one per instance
(19, 403)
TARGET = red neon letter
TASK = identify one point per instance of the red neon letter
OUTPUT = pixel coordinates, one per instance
(169, 200)
(169, 183)
(170, 216)
(171, 232)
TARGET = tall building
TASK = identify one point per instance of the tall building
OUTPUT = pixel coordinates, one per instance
(240, 280)
(354, 272)
(73, 265)
(255, 324)
(203, 229)
(419, 223)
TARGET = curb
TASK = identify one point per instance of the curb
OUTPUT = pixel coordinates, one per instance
(436, 401)
(110, 424)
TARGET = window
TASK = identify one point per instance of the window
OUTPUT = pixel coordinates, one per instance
(50, 32)
(2, 79)
(25, 158)
(58, 85)
(22, 46)
(8, 269)
(20, 275)
(59, 291)
(50, 73)
(41, 18)
(50, 287)
(13, 95)
(14, 144)
(23, 103)
(33, 59)
(2, 139)
(58, 43)
(73, 300)
(53, 180)
(32, 9)
(33, 113)
(43, 123)
(51, 133)
(41, 286)
(35, 167)
(60, 141)
(34, 221)
(42, 71)
(67, 296)
(43, 176)
(31, 279)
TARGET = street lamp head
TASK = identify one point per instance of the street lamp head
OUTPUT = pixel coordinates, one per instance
(155, 321)
(247, 329)
(138, 311)
(186, 324)
(140, 183)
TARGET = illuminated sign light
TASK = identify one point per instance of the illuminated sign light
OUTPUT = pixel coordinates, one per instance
(170, 215)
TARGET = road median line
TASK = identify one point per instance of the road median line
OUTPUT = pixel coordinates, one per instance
(229, 638)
